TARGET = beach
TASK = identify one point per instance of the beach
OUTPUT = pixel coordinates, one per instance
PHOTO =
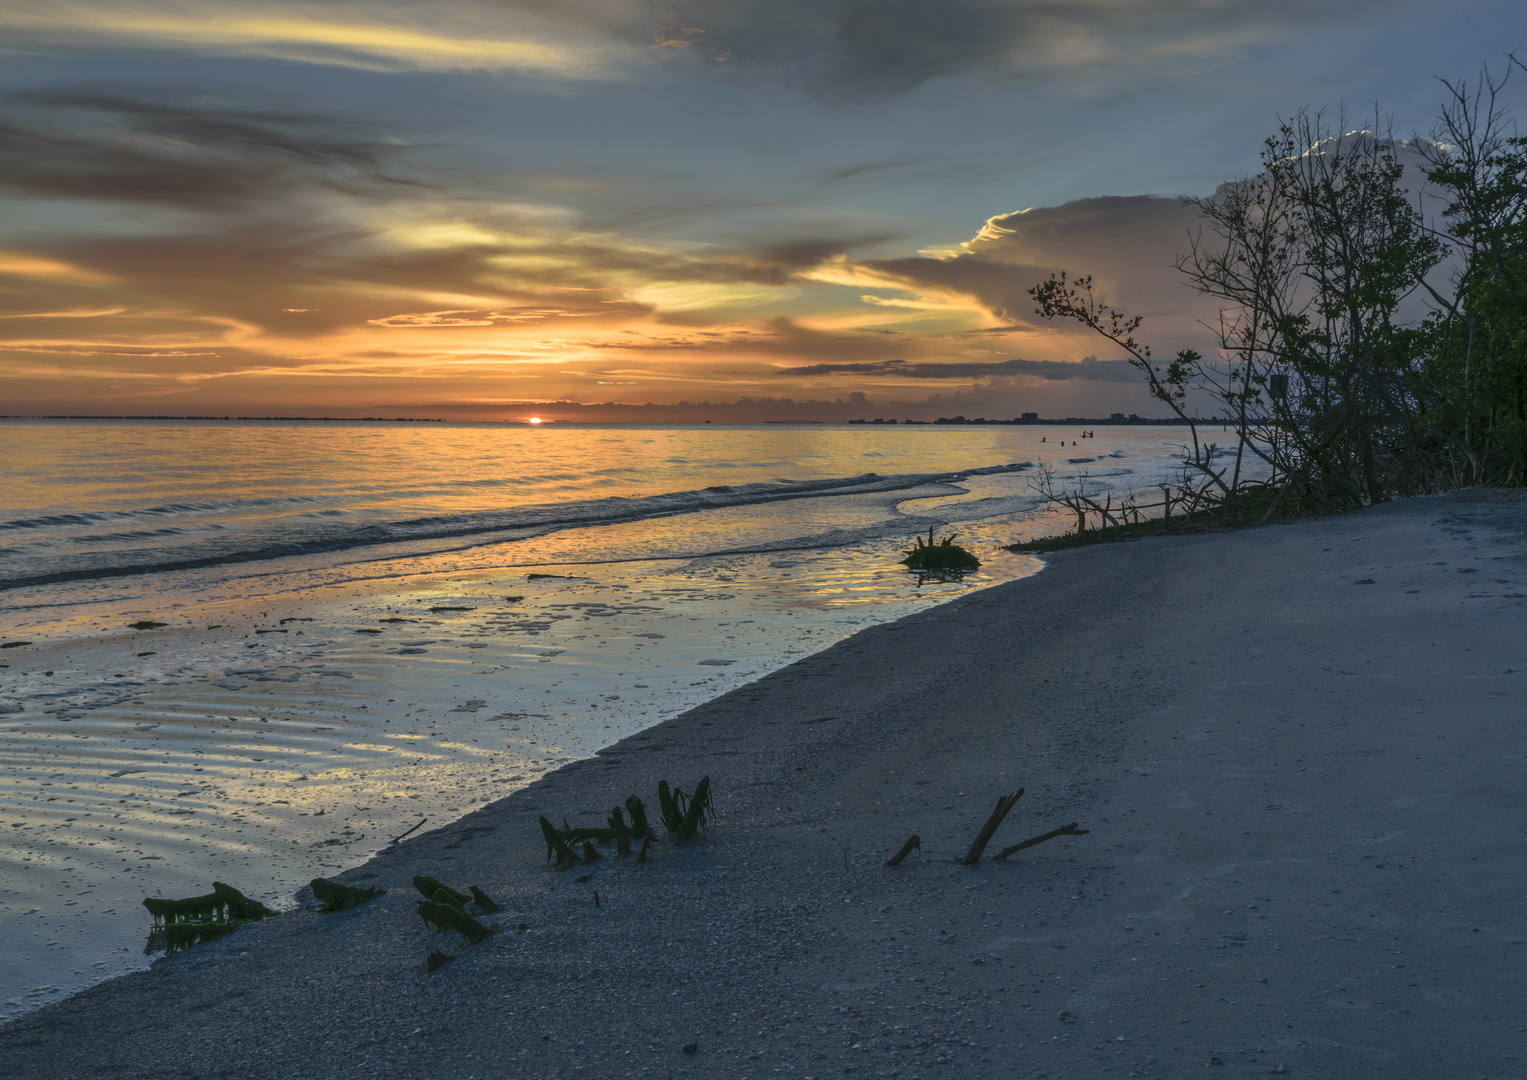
(1297, 749)
(266, 675)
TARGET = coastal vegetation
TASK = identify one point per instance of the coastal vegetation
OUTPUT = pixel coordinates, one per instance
(943, 557)
(445, 909)
(448, 917)
(223, 904)
(195, 919)
(684, 816)
(1102, 520)
(1372, 336)
(337, 897)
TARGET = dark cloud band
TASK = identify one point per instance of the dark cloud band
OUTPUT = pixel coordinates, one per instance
(105, 146)
(1090, 368)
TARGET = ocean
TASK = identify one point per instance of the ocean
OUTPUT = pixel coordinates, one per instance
(257, 651)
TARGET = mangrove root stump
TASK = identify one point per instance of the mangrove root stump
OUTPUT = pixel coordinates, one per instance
(913, 843)
(993, 820)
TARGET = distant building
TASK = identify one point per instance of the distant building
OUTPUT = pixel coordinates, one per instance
(1029, 418)
(1116, 418)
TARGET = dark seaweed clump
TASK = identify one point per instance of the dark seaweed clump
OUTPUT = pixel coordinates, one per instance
(188, 922)
(943, 557)
(337, 897)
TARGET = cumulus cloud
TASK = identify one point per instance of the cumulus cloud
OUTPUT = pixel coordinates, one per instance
(1130, 245)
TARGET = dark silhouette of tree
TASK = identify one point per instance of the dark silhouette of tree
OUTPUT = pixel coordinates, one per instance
(1345, 399)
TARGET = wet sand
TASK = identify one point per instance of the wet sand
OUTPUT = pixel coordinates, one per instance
(1299, 751)
(264, 740)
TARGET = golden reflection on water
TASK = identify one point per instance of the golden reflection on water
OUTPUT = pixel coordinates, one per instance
(267, 759)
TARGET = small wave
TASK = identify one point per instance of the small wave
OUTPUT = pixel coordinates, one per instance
(95, 517)
(321, 537)
(130, 536)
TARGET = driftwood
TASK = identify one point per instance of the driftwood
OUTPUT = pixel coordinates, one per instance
(993, 820)
(395, 839)
(1064, 830)
(913, 843)
(1186, 498)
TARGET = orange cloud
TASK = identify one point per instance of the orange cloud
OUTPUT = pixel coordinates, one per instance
(39, 268)
(370, 36)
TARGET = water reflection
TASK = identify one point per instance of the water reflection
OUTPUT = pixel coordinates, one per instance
(285, 721)
(266, 758)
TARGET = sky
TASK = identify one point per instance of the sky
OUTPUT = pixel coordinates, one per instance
(643, 210)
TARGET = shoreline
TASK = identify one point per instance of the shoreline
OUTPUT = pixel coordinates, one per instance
(262, 741)
(1239, 719)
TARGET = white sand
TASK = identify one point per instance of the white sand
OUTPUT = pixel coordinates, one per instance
(1307, 815)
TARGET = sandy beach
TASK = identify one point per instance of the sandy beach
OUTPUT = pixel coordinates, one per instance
(1298, 750)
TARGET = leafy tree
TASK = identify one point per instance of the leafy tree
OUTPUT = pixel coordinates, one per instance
(1312, 259)
(1478, 335)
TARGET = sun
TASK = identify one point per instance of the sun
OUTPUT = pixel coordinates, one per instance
(535, 419)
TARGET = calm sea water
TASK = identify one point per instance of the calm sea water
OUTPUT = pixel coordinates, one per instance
(256, 651)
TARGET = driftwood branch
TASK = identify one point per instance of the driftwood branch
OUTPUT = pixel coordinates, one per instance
(1064, 830)
(395, 839)
(1186, 497)
(994, 819)
(913, 843)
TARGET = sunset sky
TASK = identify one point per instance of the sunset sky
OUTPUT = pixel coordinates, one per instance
(784, 208)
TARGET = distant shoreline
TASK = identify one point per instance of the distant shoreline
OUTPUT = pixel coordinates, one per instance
(943, 421)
